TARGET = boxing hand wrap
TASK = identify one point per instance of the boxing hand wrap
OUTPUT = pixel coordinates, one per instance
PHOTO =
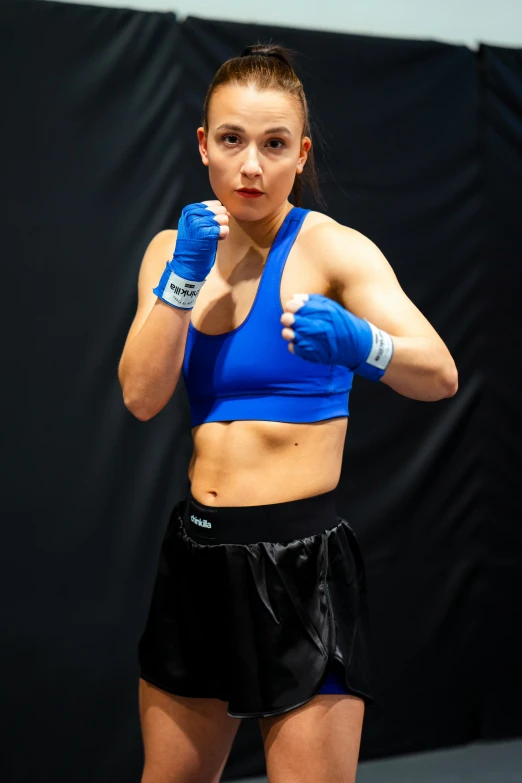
(184, 276)
(328, 334)
(193, 258)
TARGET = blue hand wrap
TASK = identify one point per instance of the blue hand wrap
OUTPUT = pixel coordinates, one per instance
(328, 334)
(194, 256)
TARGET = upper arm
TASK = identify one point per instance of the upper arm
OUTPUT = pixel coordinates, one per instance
(158, 252)
(365, 284)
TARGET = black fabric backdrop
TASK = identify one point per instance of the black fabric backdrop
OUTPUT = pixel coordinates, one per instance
(500, 578)
(419, 147)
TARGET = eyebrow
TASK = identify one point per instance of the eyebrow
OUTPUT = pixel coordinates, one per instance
(240, 129)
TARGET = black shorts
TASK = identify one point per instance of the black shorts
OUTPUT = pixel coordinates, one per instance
(257, 606)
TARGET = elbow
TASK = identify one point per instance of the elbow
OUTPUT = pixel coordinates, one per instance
(449, 381)
(135, 402)
(144, 403)
(137, 410)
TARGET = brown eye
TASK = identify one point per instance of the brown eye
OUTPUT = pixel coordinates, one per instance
(229, 138)
(279, 142)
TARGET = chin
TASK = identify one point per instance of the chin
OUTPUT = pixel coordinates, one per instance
(249, 210)
(246, 209)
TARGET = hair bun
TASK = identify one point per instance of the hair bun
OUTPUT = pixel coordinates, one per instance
(269, 50)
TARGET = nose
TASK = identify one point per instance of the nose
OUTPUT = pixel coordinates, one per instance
(251, 166)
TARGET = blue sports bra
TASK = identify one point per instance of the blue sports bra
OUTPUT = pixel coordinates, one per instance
(249, 373)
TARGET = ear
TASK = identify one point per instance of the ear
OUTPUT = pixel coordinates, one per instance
(202, 139)
(306, 145)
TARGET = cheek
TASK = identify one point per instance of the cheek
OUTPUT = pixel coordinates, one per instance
(218, 166)
(215, 167)
(218, 182)
(288, 161)
(284, 171)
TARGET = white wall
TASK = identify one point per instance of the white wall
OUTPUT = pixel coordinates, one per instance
(456, 21)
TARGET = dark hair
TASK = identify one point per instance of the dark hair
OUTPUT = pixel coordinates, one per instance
(269, 66)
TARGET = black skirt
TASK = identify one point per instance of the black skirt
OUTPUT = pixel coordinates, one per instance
(254, 605)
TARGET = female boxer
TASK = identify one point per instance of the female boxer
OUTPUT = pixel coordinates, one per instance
(259, 608)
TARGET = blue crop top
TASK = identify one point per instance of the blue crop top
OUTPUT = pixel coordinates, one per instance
(249, 373)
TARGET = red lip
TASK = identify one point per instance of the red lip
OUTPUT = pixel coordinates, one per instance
(249, 192)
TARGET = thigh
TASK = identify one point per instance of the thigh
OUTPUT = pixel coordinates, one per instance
(316, 743)
(185, 740)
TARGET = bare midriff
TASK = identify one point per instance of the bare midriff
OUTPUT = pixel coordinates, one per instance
(250, 463)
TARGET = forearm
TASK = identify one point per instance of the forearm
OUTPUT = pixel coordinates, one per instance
(151, 363)
(422, 369)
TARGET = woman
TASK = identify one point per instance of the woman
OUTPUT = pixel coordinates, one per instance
(259, 606)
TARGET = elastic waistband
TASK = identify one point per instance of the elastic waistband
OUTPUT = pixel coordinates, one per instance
(297, 408)
(275, 522)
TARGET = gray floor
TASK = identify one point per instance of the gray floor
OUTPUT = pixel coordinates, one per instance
(496, 762)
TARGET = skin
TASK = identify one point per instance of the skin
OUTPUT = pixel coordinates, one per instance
(253, 462)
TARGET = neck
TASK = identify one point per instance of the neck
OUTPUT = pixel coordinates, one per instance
(250, 239)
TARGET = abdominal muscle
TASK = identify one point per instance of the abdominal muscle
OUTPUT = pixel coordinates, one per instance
(249, 463)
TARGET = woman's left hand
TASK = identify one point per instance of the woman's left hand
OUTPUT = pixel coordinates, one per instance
(325, 332)
(287, 319)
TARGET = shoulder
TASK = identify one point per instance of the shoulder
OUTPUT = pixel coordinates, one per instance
(339, 249)
(326, 236)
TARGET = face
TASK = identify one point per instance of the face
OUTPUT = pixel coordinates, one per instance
(254, 142)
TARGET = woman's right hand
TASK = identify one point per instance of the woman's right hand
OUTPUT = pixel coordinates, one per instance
(198, 221)
(200, 227)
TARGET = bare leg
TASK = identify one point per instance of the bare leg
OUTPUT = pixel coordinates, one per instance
(316, 743)
(185, 740)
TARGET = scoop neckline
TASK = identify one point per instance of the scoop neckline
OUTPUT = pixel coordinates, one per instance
(243, 323)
